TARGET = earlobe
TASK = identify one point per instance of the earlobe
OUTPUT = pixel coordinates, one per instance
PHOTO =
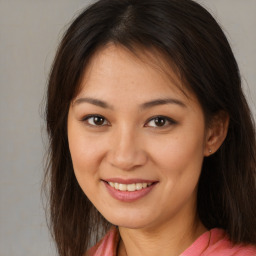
(216, 133)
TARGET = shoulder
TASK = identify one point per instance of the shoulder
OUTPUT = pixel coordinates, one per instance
(106, 246)
(220, 244)
(216, 242)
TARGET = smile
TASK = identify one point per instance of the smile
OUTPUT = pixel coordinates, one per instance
(129, 187)
(129, 190)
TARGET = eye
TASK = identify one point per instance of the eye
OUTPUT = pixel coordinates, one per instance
(160, 121)
(95, 120)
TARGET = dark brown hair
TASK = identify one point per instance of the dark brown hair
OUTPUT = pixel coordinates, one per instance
(187, 35)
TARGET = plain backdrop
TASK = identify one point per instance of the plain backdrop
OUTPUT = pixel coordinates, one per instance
(29, 34)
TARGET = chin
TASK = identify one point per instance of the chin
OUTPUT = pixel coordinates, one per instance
(130, 224)
(129, 220)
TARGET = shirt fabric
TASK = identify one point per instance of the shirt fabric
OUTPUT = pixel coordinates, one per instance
(214, 242)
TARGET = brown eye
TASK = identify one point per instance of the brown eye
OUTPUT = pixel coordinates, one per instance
(160, 121)
(96, 120)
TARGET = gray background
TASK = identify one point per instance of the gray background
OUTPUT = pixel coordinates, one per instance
(29, 33)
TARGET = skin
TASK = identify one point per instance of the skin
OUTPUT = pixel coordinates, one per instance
(129, 144)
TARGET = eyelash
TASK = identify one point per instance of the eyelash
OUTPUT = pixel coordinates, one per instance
(167, 121)
(88, 117)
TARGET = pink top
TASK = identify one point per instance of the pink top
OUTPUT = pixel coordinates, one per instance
(212, 243)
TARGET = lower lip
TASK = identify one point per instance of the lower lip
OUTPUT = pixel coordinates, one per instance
(128, 196)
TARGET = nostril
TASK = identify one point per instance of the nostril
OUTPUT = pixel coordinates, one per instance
(126, 150)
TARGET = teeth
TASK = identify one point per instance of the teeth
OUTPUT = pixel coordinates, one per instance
(122, 187)
(139, 186)
(129, 187)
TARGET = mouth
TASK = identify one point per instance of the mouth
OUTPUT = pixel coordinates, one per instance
(129, 190)
(129, 187)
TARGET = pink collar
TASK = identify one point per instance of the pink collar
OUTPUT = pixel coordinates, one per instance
(214, 242)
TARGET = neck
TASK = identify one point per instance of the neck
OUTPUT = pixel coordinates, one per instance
(169, 239)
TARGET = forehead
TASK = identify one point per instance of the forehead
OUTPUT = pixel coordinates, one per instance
(140, 70)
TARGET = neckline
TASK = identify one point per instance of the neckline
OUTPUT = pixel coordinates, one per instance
(202, 243)
(196, 248)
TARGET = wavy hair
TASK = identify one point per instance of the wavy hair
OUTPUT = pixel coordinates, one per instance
(187, 35)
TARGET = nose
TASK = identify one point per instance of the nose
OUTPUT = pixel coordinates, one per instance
(127, 150)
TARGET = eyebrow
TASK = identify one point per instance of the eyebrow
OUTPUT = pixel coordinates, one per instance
(145, 105)
(158, 102)
(93, 101)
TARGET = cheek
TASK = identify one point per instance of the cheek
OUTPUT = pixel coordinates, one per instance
(180, 154)
(179, 161)
(86, 154)
(86, 159)
(86, 151)
(83, 155)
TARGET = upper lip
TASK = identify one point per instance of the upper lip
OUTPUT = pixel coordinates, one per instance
(128, 181)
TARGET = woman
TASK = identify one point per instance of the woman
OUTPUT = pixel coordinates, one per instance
(152, 145)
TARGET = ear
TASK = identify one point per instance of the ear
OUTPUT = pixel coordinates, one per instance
(216, 132)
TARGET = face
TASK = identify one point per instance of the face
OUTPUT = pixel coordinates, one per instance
(137, 142)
